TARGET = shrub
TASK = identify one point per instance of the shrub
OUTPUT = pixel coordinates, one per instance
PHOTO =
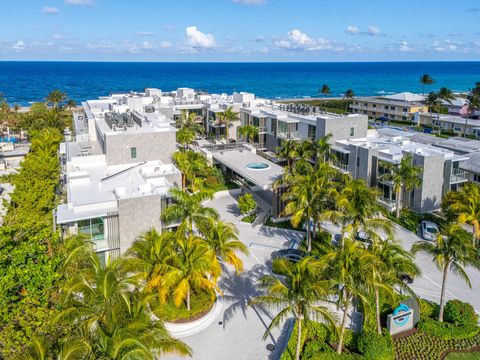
(428, 309)
(374, 346)
(247, 204)
(460, 313)
(312, 332)
(446, 331)
(349, 339)
(201, 301)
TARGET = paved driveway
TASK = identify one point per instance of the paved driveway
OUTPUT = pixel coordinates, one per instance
(239, 335)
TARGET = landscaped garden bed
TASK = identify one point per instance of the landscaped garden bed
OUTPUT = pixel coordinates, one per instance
(201, 303)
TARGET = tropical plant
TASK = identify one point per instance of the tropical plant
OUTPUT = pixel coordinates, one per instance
(434, 103)
(405, 177)
(425, 79)
(450, 252)
(393, 262)
(191, 267)
(247, 204)
(111, 317)
(192, 165)
(288, 150)
(184, 137)
(473, 106)
(222, 238)
(325, 91)
(349, 95)
(226, 118)
(465, 204)
(322, 149)
(350, 269)
(298, 295)
(188, 209)
(190, 121)
(55, 98)
(248, 132)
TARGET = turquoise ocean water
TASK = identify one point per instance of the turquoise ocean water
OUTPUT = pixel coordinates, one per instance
(24, 82)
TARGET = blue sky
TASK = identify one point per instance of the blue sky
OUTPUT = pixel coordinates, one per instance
(240, 30)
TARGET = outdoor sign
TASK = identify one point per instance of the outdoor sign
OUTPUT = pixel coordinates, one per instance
(400, 320)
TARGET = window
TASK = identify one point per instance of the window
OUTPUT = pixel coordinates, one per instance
(93, 228)
(133, 152)
(476, 177)
(374, 105)
(385, 107)
(392, 107)
(352, 131)
(404, 118)
(405, 109)
(358, 161)
(366, 104)
(312, 130)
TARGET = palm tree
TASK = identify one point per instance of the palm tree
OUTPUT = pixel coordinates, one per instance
(465, 203)
(226, 118)
(446, 95)
(434, 104)
(322, 148)
(473, 105)
(71, 103)
(190, 121)
(348, 96)
(298, 295)
(106, 311)
(425, 79)
(450, 252)
(325, 90)
(393, 262)
(184, 137)
(222, 238)
(191, 267)
(405, 177)
(248, 132)
(55, 98)
(188, 209)
(288, 150)
(349, 269)
(191, 165)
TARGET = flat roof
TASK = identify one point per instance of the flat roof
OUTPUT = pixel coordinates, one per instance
(237, 161)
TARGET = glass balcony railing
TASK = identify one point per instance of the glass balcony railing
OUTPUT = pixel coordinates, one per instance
(340, 166)
(288, 135)
(457, 176)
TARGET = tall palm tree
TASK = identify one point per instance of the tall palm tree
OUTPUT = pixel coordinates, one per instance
(222, 238)
(425, 79)
(446, 95)
(393, 262)
(184, 137)
(288, 150)
(349, 270)
(189, 120)
(434, 104)
(191, 164)
(348, 96)
(450, 252)
(322, 148)
(465, 203)
(325, 91)
(298, 295)
(188, 209)
(55, 98)
(226, 118)
(191, 267)
(404, 176)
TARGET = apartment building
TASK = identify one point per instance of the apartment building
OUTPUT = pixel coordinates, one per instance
(117, 173)
(401, 106)
(451, 123)
(366, 157)
(275, 124)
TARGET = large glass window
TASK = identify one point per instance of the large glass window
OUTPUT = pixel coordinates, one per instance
(94, 228)
(133, 152)
(312, 130)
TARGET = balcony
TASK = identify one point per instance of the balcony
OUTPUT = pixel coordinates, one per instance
(288, 135)
(457, 176)
(262, 129)
(389, 203)
(340, 166)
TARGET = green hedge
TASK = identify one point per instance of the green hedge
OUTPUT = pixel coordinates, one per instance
(310, 331)
(460, 313)
(447, 331)
(428, 309)
(374, 346)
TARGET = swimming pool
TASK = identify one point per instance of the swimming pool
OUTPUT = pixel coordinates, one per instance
(258, 166)
(8, 139)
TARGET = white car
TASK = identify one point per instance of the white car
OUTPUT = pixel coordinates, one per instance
(429, 230)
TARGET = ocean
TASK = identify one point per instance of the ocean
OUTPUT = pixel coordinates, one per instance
(27, 82)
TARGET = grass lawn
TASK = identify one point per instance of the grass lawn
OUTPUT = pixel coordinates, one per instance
(282, 225)
(463, 356)
(249, 219)
(227, 186)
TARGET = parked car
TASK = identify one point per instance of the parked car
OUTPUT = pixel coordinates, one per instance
(407, 279)
(429, 230)
(364, 238)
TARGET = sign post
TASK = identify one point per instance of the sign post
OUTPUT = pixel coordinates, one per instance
(400, 320)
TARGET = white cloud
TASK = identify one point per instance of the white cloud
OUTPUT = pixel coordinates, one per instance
(19, 45)
(250, 2)
(373, 30)
(169, 28)
(166, 45)
(352, 30)
(144, 33)
(259, 38)
(404, 47)
(198, 39)
(50, 10)
(297, 40)
(79, 2)
(57, 36)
